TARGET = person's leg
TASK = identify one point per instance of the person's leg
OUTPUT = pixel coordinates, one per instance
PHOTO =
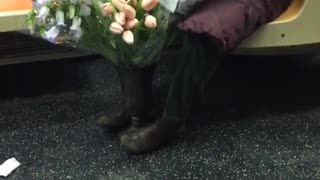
(227, 21)
(195, 69)
(136, 88)
(199, 61)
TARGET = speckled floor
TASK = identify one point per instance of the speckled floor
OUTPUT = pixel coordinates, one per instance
(261, 121)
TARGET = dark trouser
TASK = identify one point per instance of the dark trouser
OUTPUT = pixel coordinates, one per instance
(199, 59)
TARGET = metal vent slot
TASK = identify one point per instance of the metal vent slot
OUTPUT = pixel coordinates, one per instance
(20, 48)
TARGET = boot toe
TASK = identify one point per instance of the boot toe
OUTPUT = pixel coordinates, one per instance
(129, 144)
(103, 121)
(116, 121)
(149, 138)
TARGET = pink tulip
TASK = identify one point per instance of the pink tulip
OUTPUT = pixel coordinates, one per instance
(120, 18)
(119, 4)
(148, 5)
(106, 9)
(116, 28)
(128, 37)
(131, 23)
(150, 22)
(130, 12)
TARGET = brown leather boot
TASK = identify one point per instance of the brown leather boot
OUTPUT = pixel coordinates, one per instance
(140, 140)
(136, 86)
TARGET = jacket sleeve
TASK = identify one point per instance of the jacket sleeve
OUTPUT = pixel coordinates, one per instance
(228, 22)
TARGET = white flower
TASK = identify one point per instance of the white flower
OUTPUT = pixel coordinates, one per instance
(52, 22)
(78, 34)
(72, 11)
(43, 1)
(75, 35)
(75, 29)
(76, 23)
(85, 10)
(60, 18)
(52, 33)
(44, 12)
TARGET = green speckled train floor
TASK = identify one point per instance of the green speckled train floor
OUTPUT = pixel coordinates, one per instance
(261, 120)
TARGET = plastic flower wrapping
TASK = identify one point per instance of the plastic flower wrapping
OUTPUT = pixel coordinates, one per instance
(129, 33)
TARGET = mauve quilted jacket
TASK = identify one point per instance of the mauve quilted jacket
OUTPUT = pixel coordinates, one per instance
(230, 21)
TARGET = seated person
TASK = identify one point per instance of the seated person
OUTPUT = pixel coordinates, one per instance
(213, 28)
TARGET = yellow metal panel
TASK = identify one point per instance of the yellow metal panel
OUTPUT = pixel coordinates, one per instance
(13, 14)
(13, 20)
(299, 29)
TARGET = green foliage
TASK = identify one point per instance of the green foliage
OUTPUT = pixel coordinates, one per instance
(148, 43)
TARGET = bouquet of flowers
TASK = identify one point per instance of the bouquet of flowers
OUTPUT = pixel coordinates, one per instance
(130, 33)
